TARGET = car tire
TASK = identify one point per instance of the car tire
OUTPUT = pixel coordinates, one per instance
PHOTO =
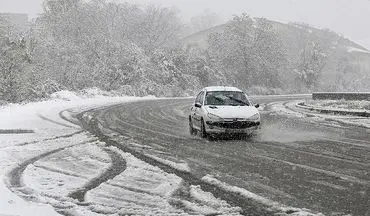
(203, 132)
(192, 131)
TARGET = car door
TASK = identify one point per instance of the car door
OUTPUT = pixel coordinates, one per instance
(193, 111)
(198, 110)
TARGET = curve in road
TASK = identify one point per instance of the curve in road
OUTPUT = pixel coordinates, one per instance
(295, 161)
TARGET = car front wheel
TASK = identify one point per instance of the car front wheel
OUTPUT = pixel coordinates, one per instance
(192, 131)
(203, 132)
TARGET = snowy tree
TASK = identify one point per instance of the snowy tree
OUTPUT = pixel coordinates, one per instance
(108, 45)
(13, 58)
(88, 43)
(312, 60)
(268, 53)
(250, 51)
(157, 28)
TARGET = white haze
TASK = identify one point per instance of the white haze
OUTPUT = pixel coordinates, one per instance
(347, 17)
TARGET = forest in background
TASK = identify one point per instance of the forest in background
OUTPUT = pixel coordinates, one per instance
(138, 50)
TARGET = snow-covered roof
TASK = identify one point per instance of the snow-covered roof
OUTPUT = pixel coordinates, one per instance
(353, 49)
(221, 88)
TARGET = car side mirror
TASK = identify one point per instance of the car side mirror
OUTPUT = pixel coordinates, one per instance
(198, 105)
(257, 105)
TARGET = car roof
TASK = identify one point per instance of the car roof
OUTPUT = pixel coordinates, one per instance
(221, 88)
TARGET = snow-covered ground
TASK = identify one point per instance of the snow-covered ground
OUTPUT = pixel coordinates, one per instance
(46, 172)
(344, 105)
(293, 109)
(58, 168)
(51, 133)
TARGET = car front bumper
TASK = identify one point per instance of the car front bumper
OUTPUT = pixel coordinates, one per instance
(231, 127)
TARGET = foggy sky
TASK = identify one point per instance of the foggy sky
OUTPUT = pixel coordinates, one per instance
(351, 18)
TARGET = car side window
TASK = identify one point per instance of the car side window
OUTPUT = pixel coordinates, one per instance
(249, 100)
(199, 98)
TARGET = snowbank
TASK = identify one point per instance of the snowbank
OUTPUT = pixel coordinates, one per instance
(293, 110)
(50, 133)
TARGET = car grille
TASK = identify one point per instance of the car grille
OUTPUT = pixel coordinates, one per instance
(234, 124)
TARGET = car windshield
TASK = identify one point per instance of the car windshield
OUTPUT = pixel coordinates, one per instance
(226, 98)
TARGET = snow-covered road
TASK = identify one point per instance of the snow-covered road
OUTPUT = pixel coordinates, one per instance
(137, 159)
(298, 160)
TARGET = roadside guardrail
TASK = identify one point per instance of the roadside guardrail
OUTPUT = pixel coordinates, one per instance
(341, 95)
(302, 105)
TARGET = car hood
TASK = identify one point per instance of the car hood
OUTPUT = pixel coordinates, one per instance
(232, 111)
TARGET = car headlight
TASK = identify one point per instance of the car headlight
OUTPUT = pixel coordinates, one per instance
(255, 117)
(214, 117)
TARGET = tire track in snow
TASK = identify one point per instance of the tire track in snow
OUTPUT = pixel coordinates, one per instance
(274, 145)
(60, 171)
(15, 182)
(117, 167)
(15, 175)
(62, 116)
(314, 154)
(55, 122)
(45, 140)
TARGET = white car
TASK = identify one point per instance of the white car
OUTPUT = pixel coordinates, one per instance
(222, 109)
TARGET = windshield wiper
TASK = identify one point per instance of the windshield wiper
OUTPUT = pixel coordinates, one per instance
(217, 98)
(239, 101)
